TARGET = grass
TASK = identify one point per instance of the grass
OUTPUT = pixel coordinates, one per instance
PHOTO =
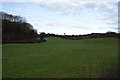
(60, 58)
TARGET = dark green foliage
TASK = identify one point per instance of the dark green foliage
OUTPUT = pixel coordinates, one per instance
(42, 35)
(12, 18)
(16, 28)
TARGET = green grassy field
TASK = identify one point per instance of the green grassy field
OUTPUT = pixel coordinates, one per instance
(60, 58)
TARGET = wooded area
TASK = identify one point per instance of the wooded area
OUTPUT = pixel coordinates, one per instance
(16, 28)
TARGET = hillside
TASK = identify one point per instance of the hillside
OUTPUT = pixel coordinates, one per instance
(60, 58)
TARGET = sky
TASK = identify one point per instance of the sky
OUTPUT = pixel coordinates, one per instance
(66, 16)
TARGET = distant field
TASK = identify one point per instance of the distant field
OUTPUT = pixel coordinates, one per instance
(60, 58)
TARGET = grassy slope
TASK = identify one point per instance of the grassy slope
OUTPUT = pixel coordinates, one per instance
(60, 58)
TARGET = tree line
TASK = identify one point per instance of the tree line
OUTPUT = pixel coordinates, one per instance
(86, 36)
(12, 18)
(16, 28)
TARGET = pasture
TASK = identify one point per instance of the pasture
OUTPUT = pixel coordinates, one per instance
(60, 58)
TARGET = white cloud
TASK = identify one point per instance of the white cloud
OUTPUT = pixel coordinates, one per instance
(62, 25)
(32, 18)
(75, 8)
(52, 24)
(109, 18)
(83, 20)
(61, 7)
(106, 6)
(72, 7)
(103, 16)
(79, 27)
(56, 0)
(107, 12)
(113, 23)
(88, 4)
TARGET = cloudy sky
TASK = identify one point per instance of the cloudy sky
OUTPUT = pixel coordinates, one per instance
(66, 16)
